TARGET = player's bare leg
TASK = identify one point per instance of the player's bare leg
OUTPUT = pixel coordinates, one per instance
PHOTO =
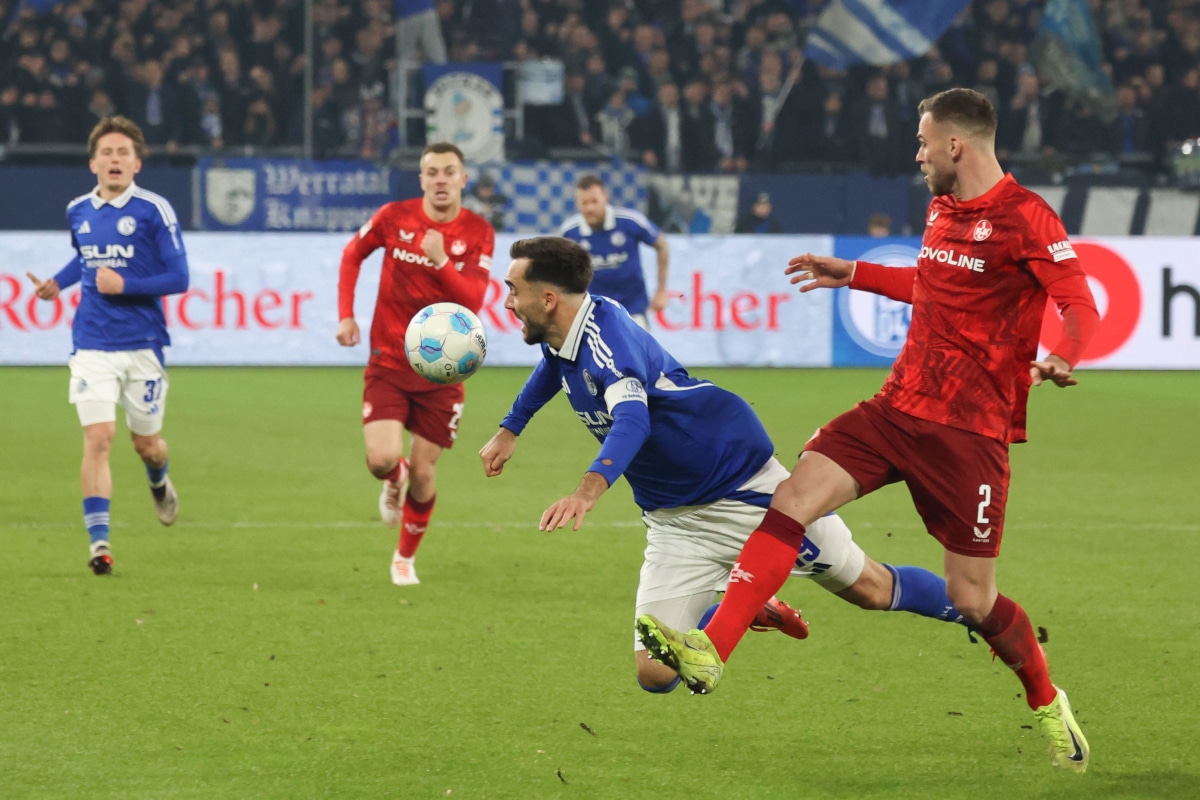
(95, 483)
(416, 505)
(153, 451)
(384, 440)
(971, 584)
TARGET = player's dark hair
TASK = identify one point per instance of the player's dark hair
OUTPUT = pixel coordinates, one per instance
(967, 109)
(443, 147)
(117, 124)
(588, 181)
(554, 260)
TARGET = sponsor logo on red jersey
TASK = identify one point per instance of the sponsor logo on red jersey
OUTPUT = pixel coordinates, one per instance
(1060, 251)
(953, 258)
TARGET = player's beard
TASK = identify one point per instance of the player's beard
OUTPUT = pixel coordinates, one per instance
(535, 333)
(940, 184)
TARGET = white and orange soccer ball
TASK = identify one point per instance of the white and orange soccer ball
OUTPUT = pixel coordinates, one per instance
(446, 343)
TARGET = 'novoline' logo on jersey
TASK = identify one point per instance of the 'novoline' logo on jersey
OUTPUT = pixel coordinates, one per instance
(1060, 251)
(953, 258)
(411, 257)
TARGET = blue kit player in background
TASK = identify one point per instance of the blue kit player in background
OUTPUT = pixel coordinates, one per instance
(612, 236)
(128, 255)
(700, 463)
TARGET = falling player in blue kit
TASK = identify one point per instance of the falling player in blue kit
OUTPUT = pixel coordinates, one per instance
(698, 459)
(613, 237)
(128, 255)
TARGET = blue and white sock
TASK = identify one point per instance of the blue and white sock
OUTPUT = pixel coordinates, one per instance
(158, 479)
(919, 591)
(95, 517)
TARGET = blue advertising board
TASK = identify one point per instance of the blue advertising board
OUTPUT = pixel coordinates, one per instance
(260, 194)
(868, 329)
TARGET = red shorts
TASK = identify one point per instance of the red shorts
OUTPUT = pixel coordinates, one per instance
(432, 413)
(958, 479)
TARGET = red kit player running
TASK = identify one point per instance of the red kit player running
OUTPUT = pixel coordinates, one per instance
(992, 254)
(434, 250)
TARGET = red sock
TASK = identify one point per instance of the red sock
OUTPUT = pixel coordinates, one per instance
(1008, 630)
(394, 475)
(763, 566)
(413, 523)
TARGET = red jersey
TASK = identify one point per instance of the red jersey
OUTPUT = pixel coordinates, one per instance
(979, 296)
(409, 280)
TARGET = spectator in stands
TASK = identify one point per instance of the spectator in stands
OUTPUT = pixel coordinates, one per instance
(699, 129)
(882, 140)
(832, 142)
(419, 32)
(235, 92)
(879, 226)
(211, 127)
(759, 220)
(10, 113)
(613, 121)
(637, 102)
(729, 129)
(485, 201)
(1029, 127)
(659, 134)
(154, 106)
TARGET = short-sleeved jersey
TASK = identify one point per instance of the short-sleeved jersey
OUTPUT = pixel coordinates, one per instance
(704, 442)
(409, 280)
(978, 303)
(616, 260)
(136, 234)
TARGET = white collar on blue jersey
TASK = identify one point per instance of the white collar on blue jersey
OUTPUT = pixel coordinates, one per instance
(117, 202)
(610, 222)
(574, 337)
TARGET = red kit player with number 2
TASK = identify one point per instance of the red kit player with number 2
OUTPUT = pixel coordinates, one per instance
(434, 250)
(993, 252)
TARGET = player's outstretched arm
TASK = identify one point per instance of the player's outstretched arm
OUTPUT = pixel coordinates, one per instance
(575, 505)
(498, 450)
(1053, 369)
(820, 272)
(45, 290)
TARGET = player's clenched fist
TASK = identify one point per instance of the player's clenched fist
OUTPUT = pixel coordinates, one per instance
(109, 281)
(347, 332)
(434, 245)
(496, 453)
(45, 290)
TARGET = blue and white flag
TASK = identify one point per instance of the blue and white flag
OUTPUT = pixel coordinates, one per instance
(878, 32)
(1067, 52)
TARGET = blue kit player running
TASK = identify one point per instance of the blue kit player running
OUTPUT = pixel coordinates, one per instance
(698, 459)
(128, 255)
(612, 236)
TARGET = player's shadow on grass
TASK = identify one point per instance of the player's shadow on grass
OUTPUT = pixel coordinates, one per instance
(1135, 786)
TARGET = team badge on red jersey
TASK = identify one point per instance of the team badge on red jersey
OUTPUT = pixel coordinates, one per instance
(458, 247)
(367, 409)
(983, 229)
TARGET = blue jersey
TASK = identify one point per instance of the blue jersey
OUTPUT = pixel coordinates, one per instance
(137, 235)
(678, 440)
(616, 262)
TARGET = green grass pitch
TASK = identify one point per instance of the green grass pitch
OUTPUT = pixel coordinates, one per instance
(258, 649)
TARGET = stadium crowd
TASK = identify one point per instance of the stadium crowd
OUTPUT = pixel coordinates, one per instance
(676, 85)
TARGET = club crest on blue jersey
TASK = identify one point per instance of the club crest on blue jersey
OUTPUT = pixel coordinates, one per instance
(126, 226)
(589, 383)
(618, 239)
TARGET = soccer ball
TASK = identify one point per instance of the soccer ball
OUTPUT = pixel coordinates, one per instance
(445, 343)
